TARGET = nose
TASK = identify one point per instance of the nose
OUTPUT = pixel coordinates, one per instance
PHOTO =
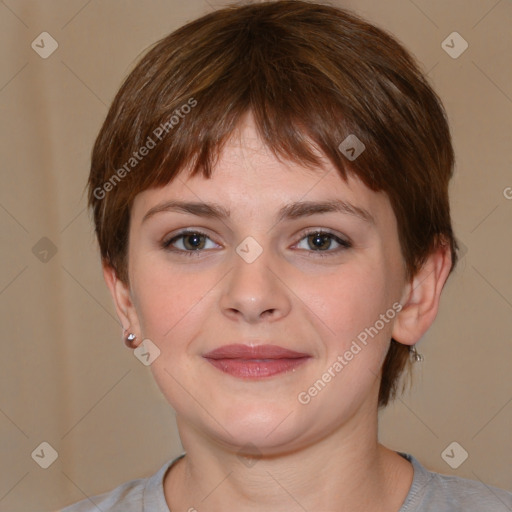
(254, 292)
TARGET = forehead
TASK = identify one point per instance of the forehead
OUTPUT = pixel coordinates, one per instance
(248, 177)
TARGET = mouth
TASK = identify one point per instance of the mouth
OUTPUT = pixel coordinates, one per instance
(255, 362)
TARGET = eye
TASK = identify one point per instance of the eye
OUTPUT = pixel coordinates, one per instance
(320, 241)
(193, 242)
(188, 242)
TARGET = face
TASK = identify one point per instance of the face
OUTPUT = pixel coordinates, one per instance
(303, 278)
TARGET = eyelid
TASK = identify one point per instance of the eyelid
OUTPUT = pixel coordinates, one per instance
(324, 231)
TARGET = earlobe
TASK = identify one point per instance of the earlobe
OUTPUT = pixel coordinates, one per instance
(121, 296)
(422, 297)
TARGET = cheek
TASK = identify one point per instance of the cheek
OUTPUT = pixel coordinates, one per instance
(346, 301)
(171, 306)
(165, 297)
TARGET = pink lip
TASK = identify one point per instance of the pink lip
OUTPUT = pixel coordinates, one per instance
(255, 362)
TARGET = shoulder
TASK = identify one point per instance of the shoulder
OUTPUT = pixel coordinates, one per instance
(436, 492)
(127, 497)
(140, 495)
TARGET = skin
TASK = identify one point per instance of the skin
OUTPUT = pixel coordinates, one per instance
(289, 296)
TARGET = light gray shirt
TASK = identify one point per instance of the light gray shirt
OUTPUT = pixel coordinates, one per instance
(429, 492)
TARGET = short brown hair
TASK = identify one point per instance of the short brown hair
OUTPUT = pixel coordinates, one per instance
(308, 73)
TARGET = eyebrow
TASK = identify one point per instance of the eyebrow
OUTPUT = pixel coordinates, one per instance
(288, 212)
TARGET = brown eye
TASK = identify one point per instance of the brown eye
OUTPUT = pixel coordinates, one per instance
(193, 241)
(323, 242)
(319, 241)
(188, 242)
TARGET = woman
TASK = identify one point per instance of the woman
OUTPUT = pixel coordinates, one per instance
(270, 196)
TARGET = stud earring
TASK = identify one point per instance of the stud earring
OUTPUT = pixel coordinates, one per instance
(415, 355)
(129, 339)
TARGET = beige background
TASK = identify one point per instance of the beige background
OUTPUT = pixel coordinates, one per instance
(66, 377)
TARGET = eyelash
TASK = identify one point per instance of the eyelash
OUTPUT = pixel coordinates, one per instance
(344, 244)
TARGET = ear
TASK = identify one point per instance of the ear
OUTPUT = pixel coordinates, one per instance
(123, 302)
(421, 297)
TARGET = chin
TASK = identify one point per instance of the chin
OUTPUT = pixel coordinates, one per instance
(260, 430)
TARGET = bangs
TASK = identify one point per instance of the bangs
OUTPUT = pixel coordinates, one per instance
(298, 111)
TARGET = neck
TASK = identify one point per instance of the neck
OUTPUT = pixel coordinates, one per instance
(347, 470)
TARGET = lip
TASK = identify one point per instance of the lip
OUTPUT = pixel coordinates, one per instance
(255, 361)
